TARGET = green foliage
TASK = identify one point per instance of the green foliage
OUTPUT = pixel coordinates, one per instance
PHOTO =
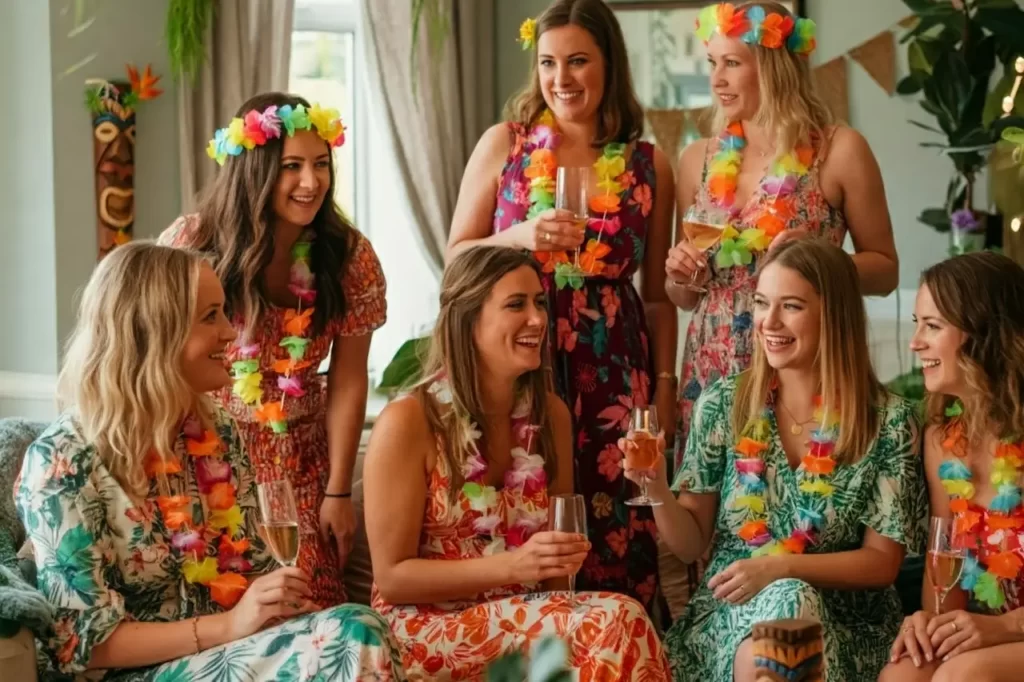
(547, 663)
(438, 25)
(909, 385)
(187, 22)
(406, 366)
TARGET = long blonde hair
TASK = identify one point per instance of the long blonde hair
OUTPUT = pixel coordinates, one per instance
(791, 110)
(468, 282)
(982, 294)
(843, 360)
(122, 365)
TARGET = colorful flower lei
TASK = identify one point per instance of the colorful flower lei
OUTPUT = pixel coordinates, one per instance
(248, 385)
(815, 472)
(541, 168)
(754, 26)
(779, 184)
(993, 540)
(526, 476)
(257, 127)
(222, 575)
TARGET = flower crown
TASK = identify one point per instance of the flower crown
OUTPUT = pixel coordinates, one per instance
(258, 127)
(754, 26)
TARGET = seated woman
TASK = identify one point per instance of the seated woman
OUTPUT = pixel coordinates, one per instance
(457, 482)
(970, 339)
(141, 505)
(804, 473)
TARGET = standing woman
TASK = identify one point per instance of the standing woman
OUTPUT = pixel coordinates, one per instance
(780, 169)
(299, 281)
(579, 110)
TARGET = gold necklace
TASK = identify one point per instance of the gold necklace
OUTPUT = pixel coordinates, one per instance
(796, 428)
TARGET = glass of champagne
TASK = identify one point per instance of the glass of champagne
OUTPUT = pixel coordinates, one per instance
(945, 560)
(703, 227)
(568, 514)
(280, 520)
(643, 434)
(572, 193)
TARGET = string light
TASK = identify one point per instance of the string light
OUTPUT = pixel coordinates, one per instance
(1015, 224)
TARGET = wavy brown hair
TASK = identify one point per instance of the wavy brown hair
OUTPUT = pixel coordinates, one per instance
(620, 116)
(236, 225)
(791, 109)
(843, 361)
(467, 285)
(122, 375)
(982, 294)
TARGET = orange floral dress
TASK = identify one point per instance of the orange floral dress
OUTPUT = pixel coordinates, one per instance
(609, 635)
(300, 454)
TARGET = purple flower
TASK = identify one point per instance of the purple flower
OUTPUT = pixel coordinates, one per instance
(211, 471)
(963, 220)
(779, 186)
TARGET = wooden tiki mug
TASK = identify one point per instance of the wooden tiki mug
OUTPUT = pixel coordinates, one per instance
(113, 143)
(788, 651)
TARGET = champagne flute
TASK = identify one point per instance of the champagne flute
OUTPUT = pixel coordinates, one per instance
(568, 514)
(643, 434)
(572, 190)
(703, 227)
(280, 520)
(945, 559)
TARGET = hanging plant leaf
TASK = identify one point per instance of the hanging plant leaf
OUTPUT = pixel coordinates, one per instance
(406, 365)
(909, 85)
(1014, 135)
(187, 22)
(936, 218)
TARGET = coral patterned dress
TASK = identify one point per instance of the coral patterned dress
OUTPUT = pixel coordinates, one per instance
(602, 365)
(300, 454)
(609, 635)
(718, 340)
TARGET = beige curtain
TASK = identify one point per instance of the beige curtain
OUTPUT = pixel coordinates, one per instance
(432, 131)
(248, 48)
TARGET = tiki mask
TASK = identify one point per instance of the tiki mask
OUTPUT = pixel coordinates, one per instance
(112, 104)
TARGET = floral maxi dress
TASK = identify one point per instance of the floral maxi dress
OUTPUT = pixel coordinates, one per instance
(598, 338)
(301, 453)
(103, 559)
(884, 491)
(609, 635)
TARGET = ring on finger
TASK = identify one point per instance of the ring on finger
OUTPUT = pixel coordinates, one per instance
(547, 236)
(956, 628)
(908, 628)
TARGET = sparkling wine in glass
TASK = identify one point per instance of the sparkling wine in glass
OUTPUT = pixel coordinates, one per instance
(280, 520)
(703, 228)
(643, 434)
(568, 514)
(944, 561)
(572, 193)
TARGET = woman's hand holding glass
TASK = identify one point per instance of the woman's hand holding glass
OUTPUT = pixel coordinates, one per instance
(547, 555)
(553, 230)
(271, 598)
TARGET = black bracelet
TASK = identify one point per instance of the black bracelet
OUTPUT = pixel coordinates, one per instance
(342, 495)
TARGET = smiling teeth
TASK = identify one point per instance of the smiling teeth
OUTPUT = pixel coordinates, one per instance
(304, 200)
(567, 95)
(531, 341)
(216, 356)
(777, 341)
(928, 364)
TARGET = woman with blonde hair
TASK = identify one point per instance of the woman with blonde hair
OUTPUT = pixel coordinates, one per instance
(140, 503)
(459, 478)
(805, 517)
(612, 344)
(777, 169)
(970, 340)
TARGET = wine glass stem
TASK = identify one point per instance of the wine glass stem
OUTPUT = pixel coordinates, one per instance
(940, 596)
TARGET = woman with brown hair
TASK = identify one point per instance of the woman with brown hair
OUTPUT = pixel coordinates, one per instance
(807, 518)
(970, 340)
(301, 282)
(778, 168)
(612, 347)
(459, 479)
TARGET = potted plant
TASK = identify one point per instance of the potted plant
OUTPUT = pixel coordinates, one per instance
(405, 367)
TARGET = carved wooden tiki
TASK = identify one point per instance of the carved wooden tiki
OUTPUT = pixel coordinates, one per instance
(788, 651)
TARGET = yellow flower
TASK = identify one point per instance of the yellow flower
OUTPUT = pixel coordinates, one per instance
(602, 505)
(611, 167)
(755, 503)
(236, 134)
(817, 487)
(326, 121)
(202, 572)
(755, 239)
(528, 33)
(963, 489)
(228, 518)
(247, 388)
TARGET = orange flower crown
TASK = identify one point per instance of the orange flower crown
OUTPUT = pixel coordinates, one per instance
(755, 26)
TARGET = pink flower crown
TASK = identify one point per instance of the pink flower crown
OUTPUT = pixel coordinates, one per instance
(754, 26)
(258, 127)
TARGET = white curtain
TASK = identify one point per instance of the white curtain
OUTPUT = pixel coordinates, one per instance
(248, 50)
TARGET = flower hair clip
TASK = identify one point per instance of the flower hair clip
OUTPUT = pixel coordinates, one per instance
(754, 26)
(273, 122)
(528, 33)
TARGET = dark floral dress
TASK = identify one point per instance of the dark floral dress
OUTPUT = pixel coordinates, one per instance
(601, 361)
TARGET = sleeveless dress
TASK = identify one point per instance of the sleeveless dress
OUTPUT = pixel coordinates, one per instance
(598, 343)
(104, 559)
(300, 454)
(884, 490)
(608, 635)
(718, 340)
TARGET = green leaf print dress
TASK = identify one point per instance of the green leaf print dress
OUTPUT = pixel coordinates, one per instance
(884, 490)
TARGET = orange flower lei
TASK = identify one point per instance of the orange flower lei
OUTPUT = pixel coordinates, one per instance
(222, 575)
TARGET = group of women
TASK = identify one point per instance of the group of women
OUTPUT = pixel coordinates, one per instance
(192, 376)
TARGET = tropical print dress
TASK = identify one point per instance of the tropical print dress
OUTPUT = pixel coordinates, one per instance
(718, 339)
(301, 454)
(598, 341)
(609, 636)
(884, 491)
(103, 559)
